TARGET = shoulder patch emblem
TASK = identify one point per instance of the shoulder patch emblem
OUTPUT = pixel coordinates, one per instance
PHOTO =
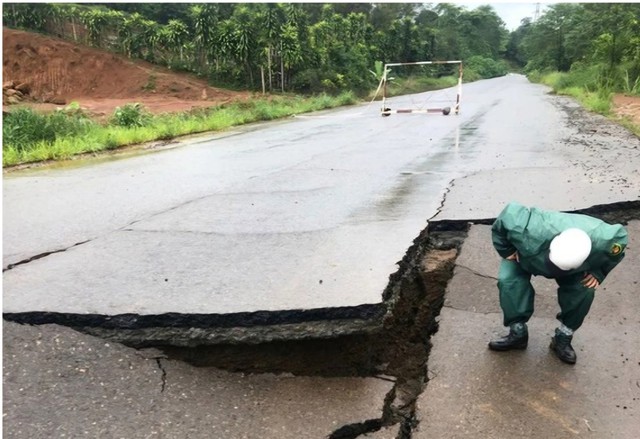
(616, 249)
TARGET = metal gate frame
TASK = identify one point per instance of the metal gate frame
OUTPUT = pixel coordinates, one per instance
(385, 111)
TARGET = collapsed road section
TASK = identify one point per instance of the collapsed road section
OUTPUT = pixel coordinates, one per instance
(391, 339)
(395, 347)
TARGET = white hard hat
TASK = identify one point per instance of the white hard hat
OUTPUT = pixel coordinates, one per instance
(570, 249)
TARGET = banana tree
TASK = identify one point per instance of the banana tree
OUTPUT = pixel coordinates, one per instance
(94, 21)
(138, 36)
(272, 19)
(244, 38)
(27, 16)
(290, 49)
(204, 18)
(176, 35)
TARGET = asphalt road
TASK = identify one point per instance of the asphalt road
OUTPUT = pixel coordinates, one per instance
(308, 213)
(312, 212)
(254, 220)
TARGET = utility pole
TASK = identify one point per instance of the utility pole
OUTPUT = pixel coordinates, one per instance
(536, 14)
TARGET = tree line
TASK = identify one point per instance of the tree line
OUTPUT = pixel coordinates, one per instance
(279, 46)
(596, 44)
(330, 47)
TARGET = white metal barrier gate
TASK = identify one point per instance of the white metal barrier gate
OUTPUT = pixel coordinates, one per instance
(386, 111)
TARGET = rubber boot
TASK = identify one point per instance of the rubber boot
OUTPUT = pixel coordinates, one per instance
(517, 338)
(561, 345)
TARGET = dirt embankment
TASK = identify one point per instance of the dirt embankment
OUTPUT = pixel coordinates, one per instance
(627, 106)
(56, 72)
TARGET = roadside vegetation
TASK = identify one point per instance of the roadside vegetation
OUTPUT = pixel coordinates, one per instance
(595, 98)
(29, 136)
(275, 47)
(301, 57)
(585, 50)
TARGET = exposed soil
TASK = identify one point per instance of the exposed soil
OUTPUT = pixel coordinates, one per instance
(627, 106)
(59, 72)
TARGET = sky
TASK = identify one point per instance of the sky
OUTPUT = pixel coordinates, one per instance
(513, 13)
(510, 12)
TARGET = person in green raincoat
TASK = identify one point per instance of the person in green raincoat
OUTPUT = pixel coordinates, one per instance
(578, 251)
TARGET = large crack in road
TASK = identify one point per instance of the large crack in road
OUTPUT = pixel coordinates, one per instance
(414, 298)
(397, 351)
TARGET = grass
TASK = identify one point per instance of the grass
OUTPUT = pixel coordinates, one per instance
(628, 124)
(418, 84)
(31, 137)
(580, 87)
(596, 100)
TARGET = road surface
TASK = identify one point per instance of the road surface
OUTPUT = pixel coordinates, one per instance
(254, 220)
(311, 213)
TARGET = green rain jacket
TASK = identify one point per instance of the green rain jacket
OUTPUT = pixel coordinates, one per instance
(529, 231)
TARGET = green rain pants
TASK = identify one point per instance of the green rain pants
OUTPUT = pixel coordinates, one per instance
(517, 296)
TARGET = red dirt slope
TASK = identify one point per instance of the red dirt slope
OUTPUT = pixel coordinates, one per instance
(60, 71)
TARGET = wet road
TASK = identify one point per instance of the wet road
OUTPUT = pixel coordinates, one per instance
(307, 213)
(474, 392)
(148, 215)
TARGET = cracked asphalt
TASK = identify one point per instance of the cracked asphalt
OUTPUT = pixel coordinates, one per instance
(511, 142)
(60, 383)
(474, 392)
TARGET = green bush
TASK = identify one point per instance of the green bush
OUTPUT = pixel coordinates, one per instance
(72, 134)
(592, 78)
(535, 76)
(580, 84)
(131, 115)
(631, 80)
(485, 67)
(589, 77)
(470, 75)
(582, 75)
(23, 128)
(308, 81)
(346, 98)
(151, 83)
(553, 79)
